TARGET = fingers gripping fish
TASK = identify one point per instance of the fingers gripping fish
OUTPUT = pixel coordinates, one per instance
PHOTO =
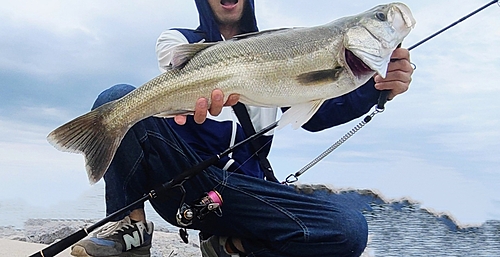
(298, 68)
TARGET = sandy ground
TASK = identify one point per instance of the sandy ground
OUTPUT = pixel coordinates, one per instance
(165, 244)
(16, 248)
(399, 228)
(25, 242)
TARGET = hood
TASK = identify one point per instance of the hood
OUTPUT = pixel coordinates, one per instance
(208, 25)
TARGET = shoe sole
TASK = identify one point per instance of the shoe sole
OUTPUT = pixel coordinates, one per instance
(79, 251)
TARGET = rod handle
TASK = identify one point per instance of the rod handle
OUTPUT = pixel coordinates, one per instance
(59, 246)
(382, 99)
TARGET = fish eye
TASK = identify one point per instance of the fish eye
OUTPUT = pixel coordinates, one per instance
(381, 16)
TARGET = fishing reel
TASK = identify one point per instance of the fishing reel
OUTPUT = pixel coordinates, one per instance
(210, 202)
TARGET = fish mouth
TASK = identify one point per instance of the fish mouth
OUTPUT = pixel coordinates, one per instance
(357, 66)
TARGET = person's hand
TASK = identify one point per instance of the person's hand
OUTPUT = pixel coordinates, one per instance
(201, 108)
(398, 76)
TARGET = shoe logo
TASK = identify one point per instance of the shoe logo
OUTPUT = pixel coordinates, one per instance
(132, 241)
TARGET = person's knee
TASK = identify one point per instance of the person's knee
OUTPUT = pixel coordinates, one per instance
(113, 93)
(355, 232)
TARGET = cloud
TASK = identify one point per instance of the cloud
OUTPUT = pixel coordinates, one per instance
(398, 174)
(64, 54)
(33, 170)
(437, 143)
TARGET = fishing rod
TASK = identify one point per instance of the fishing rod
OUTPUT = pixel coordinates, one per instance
(453, 24)
(380, 106)
(64, 243)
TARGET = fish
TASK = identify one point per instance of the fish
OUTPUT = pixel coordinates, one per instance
(299, 68)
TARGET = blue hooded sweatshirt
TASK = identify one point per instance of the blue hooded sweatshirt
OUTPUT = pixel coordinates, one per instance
(213, 137)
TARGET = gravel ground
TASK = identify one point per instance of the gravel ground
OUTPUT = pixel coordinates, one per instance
(396, 228)
(165, 242)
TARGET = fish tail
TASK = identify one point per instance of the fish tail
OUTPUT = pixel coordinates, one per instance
(91, 136)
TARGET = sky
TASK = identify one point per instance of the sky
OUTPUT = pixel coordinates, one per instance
(437, 144)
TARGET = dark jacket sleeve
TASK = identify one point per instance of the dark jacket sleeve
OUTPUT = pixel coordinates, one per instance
(344, 108)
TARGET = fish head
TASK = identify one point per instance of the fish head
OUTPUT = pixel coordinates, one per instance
(372, 36)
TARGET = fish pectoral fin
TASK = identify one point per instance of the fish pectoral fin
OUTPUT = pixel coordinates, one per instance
(299, 114)
(172, 113)
(319, 77)
(183, 53)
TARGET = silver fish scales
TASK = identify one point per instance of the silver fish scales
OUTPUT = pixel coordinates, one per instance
(298, 68)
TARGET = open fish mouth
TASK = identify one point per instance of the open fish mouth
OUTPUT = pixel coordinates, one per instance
(369, 44)
(326, 61)
(357, 66)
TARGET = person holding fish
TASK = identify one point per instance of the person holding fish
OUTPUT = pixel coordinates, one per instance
(254, 215)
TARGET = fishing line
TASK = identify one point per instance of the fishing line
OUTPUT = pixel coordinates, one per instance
(252, 137)
(178, 181)
(380, 107)
(64, 243)
(230, 173)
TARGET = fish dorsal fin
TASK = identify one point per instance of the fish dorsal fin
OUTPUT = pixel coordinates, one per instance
(185, 52)
(319, 77)
(258, 33)
(299, 114)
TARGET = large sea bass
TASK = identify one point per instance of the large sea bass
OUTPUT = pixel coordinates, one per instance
(297, 67)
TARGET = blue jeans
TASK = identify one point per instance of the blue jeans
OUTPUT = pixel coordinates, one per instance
(271, 219)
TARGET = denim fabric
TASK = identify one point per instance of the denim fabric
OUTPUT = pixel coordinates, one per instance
(271, 219)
